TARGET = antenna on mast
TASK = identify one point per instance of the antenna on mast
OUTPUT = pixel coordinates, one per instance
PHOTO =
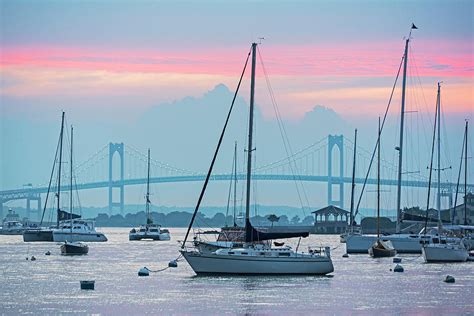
(260, 40)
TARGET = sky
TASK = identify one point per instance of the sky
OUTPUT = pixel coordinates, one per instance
(109, 64)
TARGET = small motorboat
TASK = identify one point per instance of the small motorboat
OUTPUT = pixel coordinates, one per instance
(382, 248)
(74, 248)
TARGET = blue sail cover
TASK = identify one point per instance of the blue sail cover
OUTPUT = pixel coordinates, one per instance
(252, 234)
(63, 216)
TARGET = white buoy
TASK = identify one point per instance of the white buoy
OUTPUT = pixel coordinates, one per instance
(449, 279)
(144, 272)
(173, 264)
(397, 260)
(398, 268)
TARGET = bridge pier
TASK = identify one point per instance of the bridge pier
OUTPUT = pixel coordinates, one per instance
(119, 149)
(36, 198)
(1, 209)
(338, 141)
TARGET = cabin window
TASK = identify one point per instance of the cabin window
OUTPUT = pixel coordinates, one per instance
(245, 253)
(261, 253)
(230, 253)
(284, 254)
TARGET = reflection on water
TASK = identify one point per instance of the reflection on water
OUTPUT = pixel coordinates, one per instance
(359, 284)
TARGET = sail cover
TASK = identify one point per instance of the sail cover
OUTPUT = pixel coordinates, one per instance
(252, 234)
(63, 216)
(418, 218)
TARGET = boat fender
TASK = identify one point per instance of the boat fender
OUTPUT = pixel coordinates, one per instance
(449, 279)
(398, 268)
(173, 264)
(397, 260)
(144, 272)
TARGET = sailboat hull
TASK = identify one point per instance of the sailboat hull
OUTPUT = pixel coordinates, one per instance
(37, 235)
(403, 243)
(74, 249)
(445, 253)
(225, 264)
(62, 236)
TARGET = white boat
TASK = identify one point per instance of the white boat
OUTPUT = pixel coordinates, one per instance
(149, 230)
(77, 230)
(12, 228)
(74, 229)
(260, 260)
(441, 250)
(255, 256)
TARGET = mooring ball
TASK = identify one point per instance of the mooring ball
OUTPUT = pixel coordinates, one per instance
(48, 253)
(449, 279)
(398, 268)
(173, 264)
(144, 272)
(33, 258)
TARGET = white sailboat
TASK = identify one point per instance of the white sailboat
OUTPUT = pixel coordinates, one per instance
(255, 256)
(402, 242)
(149, 230)
(440, 249)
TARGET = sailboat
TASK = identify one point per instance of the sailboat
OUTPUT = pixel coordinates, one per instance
(402, 242)
(71, 247)
(149, 230)
(254, 256)
(381, 248)
(441, 249)
(45, 233)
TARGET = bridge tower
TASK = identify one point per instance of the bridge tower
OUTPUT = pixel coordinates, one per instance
(338, 141)
(119, 149)
(37, 198)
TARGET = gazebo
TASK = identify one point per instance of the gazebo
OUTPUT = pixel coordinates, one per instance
(331, 220)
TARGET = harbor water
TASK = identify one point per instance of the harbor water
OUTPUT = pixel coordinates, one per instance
(359, 285)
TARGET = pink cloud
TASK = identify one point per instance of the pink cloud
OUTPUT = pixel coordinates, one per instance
(439, 59)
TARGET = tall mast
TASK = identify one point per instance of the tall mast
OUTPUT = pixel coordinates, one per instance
(249, 149)
(400, 146)
(235, 182)
(465, 177)
(378, 182)
(148, 191)
(353, 179)
(438, 109)
(70, 183)
(59, 168)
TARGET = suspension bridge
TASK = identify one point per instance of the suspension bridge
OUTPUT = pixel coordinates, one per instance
(318, 162)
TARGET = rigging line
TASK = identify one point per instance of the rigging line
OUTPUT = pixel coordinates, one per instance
(215, 154)
(230, 190)
(459, 179)
(49, 185)
(284, 136)
(431, 167)
(381, 129)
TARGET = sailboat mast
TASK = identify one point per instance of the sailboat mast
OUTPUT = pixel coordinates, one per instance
(465, 177)
(59, 168)
(438, 198)
(400, 146)
(249, 149)
(235, 182)
(148, 191)
(378, 182)
(70, 182)
(353, 179)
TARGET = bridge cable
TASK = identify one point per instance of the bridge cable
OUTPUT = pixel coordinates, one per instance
(378, 139)
(284, 135)
(215, 153)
